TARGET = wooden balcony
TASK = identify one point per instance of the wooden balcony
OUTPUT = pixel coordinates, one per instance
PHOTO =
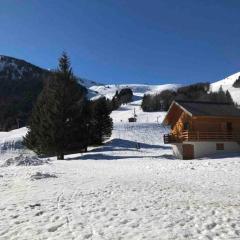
(171, 138)
(202, 136)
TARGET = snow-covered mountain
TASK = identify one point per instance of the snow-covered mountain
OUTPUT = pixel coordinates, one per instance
(14, 69)
(227, 84)
(21, 82)
(139, 90)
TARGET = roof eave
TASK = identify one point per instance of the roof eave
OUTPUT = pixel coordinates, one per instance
(184, 109)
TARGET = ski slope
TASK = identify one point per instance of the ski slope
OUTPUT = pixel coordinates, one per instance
(227, 84)
(138, 89)
(117, 191)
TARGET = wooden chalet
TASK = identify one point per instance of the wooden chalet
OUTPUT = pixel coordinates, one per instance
(199, 129)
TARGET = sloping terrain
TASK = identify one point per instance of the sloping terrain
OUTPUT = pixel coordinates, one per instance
(227, 84)
(130, 188)
(139, 90)
(118, 191)
(20, 84)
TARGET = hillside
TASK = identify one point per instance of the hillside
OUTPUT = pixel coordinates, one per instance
(20, 84)
(138, 89)
(146, 191)
(227, 84)
(14, 69)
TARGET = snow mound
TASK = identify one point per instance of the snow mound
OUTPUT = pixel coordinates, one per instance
(39, 175)
(12, 141)
(24, 161)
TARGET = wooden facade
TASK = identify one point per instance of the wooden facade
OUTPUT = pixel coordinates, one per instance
(187, 127)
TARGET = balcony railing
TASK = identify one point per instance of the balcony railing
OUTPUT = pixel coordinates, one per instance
(202, 136)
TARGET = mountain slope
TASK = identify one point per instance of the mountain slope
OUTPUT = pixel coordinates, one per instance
(117, 191)
(14, 69)
(227, 84)
(20, 84)
(138, 89)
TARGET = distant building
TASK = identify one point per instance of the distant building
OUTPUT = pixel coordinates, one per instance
(199, 129)
(132, 119)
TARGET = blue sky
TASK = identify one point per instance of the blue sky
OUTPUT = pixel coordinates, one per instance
(127, 41)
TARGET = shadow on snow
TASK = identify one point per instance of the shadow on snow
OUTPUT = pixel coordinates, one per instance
(101, 156)
(122, 145)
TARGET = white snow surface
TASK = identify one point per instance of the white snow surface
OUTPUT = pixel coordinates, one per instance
(11, 143)
(119, 192)
(138, 89)
(227, 84)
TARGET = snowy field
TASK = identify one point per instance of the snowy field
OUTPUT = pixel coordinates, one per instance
(120, 192)
(139, 90)
(227, 84)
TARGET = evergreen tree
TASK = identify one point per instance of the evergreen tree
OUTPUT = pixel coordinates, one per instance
(195, 92)
(125, 95)
(53, 121)
(236, 84)
(115, 103)
(81, 131)
(229, 97)
(101, 124)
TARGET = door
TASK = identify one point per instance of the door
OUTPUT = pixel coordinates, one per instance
(188, 151)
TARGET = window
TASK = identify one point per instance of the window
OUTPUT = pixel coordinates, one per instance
(186, 126)
(229, 126)
(220, 146)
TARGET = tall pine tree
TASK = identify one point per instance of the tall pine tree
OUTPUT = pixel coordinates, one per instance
(53, 122)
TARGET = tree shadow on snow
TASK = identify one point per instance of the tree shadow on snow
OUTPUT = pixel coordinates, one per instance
(118, 145)
(166, 156)
(101, 156)
(127, 145)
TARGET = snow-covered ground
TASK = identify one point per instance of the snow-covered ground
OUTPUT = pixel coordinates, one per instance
(11, 143)
(227, 84)
(120, 192)
(138, 89)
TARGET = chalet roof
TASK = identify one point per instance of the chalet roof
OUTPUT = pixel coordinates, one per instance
(209, 109)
